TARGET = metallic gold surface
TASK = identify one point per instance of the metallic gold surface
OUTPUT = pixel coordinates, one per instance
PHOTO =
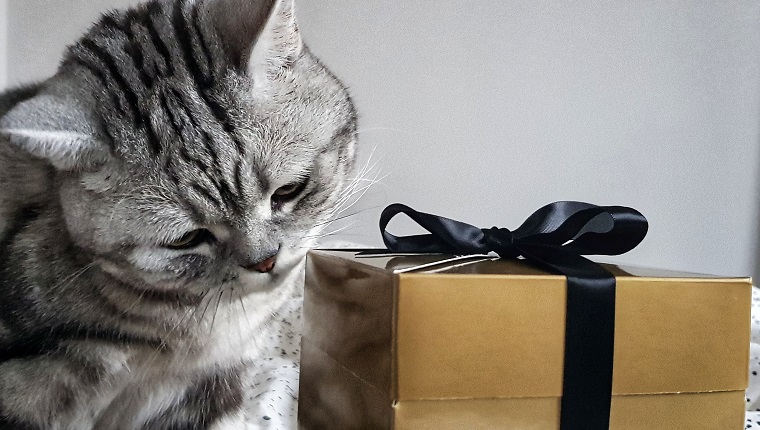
(483, 343)
(465, 336)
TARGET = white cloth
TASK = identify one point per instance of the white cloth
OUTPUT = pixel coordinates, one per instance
(753, 393)
(273, 393)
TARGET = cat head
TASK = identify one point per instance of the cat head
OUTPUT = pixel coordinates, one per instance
(192, 140)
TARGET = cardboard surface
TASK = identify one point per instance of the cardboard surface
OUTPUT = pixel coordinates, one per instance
(385, 347)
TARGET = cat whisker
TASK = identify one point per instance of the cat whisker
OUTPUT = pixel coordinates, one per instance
(370, 180)
(362, 192)
(355, 190)
(342, 217)
(238, 323)
(352, 187)
(245, 312)
(368, 129)
(332, 216)
(342, 234)
(369, 161)
(360, 186)
(203, 315)
(189, 314)
(216, 310)
(352, 191)
(332, 233)
(66, 282)
(368, 166)
(134, 304)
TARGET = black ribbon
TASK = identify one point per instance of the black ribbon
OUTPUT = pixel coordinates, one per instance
(554, 238)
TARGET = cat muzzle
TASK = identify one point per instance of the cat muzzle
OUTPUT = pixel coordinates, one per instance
(265, 266)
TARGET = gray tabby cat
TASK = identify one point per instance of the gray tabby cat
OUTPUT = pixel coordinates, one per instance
(156, 199)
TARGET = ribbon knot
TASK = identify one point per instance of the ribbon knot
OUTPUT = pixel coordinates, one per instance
(554, 238)
(501, 241)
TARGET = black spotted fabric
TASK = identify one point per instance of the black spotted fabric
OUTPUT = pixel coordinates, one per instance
(753, 392)
(273, 394)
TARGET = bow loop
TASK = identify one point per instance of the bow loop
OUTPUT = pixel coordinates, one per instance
(501, 241)
(579, 228)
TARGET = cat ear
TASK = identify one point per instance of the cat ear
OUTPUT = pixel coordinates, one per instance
(263, 32)
(55, 129)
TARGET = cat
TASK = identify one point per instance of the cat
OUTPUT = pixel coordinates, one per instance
(157, 196)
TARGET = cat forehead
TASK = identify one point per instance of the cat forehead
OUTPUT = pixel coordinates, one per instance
(163, 80)
(171, 98)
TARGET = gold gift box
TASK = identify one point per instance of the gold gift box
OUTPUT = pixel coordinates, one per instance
(409, 342)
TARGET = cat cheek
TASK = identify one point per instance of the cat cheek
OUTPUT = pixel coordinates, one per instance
(152, 261)
(190, 267)
(160, 266)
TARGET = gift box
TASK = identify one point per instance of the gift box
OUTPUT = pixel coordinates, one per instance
(427, 342)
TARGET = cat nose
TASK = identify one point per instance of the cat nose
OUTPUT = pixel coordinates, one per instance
(264, 266)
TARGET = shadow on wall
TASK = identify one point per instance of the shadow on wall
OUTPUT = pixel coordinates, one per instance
(756, 271)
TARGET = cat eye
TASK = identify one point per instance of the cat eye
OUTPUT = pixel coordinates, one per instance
(191, 240)
(288, 193)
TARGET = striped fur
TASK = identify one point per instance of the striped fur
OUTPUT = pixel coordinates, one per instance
(172, 117)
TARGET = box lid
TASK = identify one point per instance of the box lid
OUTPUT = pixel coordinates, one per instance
(485, 264)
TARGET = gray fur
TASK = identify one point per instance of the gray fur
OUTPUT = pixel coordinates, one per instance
(167, 118)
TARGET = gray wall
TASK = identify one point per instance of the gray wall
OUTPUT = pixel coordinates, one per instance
(3, 42)
(486, 110)
(39, 31)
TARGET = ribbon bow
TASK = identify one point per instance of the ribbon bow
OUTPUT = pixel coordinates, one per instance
(554, 238)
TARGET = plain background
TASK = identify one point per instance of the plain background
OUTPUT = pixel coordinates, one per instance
(486, 110)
